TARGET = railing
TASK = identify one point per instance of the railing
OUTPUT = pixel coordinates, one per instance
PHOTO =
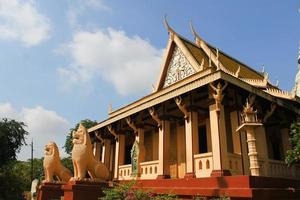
(203, 164)
(263, 167)
(277, 168)
(125, 172)
(235, 163)
(149, 170)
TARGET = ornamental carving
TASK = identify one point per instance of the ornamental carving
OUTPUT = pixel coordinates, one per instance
(179, 68)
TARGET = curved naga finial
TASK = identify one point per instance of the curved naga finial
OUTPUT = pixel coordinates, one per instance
(196, 35)
(170, 30)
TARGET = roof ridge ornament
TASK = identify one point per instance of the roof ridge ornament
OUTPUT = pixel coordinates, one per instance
(218, 61)
(237, 73)
(197, 38)
(110, 109)
(168, 27)
(266, 78)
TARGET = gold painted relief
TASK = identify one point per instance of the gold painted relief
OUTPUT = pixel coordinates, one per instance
(179, 68)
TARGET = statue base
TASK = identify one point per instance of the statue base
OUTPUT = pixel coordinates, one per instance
(49, 191)
(87, 190)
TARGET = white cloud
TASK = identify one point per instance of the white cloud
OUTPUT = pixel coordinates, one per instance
(130, 64)
(42, 124)
(21, 21)
(79, 7)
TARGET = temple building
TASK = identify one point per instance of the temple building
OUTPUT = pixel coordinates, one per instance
(213, 126)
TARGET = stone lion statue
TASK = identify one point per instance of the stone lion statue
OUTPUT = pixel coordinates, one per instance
(83, 158)
(53, 166)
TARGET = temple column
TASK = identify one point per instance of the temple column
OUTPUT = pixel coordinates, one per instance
(106, 152)
(218, 131)
(191, 135)
(254, 166)
(119, 155)
(218, 139)
(141, 157)
(249, 124)
(163, 150)
(97, 150)
(163, 144)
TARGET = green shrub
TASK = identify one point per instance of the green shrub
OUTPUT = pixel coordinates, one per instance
(128, 192)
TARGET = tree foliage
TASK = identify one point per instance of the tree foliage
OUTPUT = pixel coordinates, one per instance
(67, 162)
(293, 155)
(12, 137)
(128, 191)
(68, 144)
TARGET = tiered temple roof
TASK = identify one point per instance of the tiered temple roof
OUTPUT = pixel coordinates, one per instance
(188, 65)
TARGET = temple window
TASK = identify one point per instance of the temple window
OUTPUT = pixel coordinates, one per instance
(228, 131)
(129, 140)
(200, 164)
(202, 139)
(207, 164)
(148, 141)
(274, 141)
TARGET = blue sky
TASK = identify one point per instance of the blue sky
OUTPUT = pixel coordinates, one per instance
(63, 61)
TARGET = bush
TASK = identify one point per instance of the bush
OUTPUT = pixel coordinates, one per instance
(129, 192)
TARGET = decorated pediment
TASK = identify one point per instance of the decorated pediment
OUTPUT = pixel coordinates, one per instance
(178, 68)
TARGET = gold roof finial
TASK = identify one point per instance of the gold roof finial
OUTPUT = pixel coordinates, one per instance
(170, 30)
(197, 38)
(110, 110)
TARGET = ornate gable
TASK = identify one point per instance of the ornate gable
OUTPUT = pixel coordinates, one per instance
(179, 68)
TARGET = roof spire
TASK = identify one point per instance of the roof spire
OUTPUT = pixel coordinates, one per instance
(197, 38)
(170, 30)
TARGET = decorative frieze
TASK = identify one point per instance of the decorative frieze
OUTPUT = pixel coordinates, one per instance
(218, 95)
(179, 68)
(280, 93)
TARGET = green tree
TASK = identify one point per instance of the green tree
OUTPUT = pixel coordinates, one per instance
(12, 137)
(68, 144)
(293, 155)
(67, 162)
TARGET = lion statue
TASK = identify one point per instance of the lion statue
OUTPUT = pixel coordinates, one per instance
(53, 166)
(83, 158)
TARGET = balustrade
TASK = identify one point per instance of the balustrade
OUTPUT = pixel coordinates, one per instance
(149, 170)
(235, 163)
(125, 172)
(203, 164)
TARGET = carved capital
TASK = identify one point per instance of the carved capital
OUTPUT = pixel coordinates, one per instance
(182, 107)
(269, 112)
(98, 136)
(112, 131)
(132, 125)
(155, 116)
(218, 93)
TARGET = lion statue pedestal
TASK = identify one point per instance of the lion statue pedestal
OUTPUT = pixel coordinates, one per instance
(53, 166)
(80, 187)
(83, 158)
(49, 191)
(83, 190)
